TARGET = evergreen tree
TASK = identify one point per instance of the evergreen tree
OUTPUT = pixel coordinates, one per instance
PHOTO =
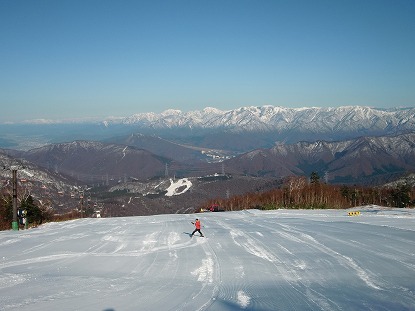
(314, 178)
(400, 195)
(33, 212)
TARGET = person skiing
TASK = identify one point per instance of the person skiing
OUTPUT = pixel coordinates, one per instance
(197, 227)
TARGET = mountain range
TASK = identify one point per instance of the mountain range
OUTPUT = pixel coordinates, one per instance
(271, 118)
(130, 163)
(238, 130)
(367, 160)
(249, 128)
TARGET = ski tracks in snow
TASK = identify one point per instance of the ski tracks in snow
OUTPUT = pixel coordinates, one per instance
(276, 269)
(247, 262)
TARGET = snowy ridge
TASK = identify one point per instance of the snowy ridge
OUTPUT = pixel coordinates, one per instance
(315, 119)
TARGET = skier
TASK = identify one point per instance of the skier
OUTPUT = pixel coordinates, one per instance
(197, 227)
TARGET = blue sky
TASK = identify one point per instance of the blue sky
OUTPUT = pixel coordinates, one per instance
(77, 59)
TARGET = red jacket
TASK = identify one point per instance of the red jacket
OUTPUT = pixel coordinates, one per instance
(197, 224)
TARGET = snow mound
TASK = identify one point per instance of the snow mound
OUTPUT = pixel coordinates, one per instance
(178, 187)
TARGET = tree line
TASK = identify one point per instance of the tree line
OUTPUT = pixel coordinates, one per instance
(36, 212)
(294, 193)
(310, 193)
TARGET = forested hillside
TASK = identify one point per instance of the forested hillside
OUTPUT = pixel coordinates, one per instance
(300, 192)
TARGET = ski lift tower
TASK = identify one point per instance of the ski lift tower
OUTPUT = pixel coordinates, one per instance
(15, 223)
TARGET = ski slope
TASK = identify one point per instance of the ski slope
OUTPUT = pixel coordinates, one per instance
(249, 260)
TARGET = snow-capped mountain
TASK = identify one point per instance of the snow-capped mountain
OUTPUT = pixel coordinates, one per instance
(272, 118)
(239, 130)
(248, 128)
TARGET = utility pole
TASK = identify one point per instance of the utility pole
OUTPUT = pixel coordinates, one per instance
(15, 223)
(82, 203)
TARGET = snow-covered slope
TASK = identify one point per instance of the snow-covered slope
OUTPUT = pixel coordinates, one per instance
(32, 179)
(249, 260)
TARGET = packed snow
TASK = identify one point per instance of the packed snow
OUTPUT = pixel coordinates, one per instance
(178, 187)
(249, 260)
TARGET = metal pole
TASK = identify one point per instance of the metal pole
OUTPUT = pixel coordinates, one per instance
(82, 204)
(26, 221)
(15, 223)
